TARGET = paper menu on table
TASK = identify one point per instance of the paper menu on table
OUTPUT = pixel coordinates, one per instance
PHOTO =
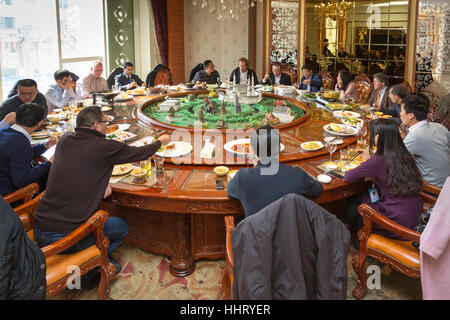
(49, 153)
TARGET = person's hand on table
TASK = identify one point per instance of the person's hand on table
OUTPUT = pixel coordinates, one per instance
(364, 154)
(133, 84)
(11, 118)
(108, 191)
(51, 142)
(165, 139)
(144, 85)
(306, 81)
(266, 77)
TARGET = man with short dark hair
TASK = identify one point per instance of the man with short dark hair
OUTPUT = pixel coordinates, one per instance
(60, 94)
(428, 142)
(380, 95)
(16, 153)
(27, 92)
(310, 81)
(208, 75)
(71, 199)
(269, 180)
(276, 77)
(127, 80)
(397, 94)
(243, 74)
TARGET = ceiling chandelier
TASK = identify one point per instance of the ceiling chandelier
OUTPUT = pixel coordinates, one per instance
(333, 9)
(226, 9)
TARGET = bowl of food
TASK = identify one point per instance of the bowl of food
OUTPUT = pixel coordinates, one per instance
(331, 94)
(221, 170)
(189, 85)
(108, 95)
(301, 92)
(155, 90)
(139, 174)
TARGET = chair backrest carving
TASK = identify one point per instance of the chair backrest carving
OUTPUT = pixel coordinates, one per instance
(327, 80)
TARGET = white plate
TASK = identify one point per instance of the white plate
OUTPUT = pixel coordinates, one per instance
(346, 114)
(352, 131)
(361, 121)
(336, 141)
(318, 142)
(181, 148)
(121, 127)
(229, 146)
(122, 136)
(141, 142)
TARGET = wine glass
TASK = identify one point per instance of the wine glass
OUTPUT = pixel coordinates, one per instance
(331, 147)
(362, 131)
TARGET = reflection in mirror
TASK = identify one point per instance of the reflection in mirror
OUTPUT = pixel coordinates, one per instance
(362, 37)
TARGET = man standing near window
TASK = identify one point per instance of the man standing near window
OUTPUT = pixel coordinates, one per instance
(26, 93)
(128, 80)
(60, 94)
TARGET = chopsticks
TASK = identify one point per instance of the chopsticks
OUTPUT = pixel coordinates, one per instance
(354, 157)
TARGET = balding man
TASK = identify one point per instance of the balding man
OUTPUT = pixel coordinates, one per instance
(93, 82)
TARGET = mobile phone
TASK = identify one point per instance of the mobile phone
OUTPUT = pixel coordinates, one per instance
(219, 185)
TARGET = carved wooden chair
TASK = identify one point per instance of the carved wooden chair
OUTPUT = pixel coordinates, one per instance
(364, 88)
(58, 264)
(227, 274)
(400, 255)
(24, 195)
(327, 80)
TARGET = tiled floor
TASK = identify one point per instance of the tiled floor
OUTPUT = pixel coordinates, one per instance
(146, 277)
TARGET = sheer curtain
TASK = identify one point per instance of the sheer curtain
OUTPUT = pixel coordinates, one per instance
(155, 57)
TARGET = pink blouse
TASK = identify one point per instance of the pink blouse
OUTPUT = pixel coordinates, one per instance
(351, 91)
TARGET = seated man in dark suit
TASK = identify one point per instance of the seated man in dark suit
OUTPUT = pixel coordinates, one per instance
(27, 92)
(243, 74)
(128, 80)
(269, 180)
(310, 81)
(208, 75)
(379, 99)
(276, 77)
(16, 153)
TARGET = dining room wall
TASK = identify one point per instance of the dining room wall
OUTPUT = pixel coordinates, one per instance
(205, 37)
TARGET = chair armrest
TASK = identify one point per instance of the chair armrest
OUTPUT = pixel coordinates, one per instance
(26, 211)
(371, 215)
(25, 194)
(430, 192)
(95, 222)
(229, 226)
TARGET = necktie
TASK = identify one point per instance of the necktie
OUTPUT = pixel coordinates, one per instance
(129, 79)
(379, 98)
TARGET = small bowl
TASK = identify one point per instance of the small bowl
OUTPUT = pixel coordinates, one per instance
(188, 84)
(221, 170)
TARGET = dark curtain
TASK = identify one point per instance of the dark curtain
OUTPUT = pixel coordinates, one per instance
(160, 13)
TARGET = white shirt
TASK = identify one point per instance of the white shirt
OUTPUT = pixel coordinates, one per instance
(22, 130)
(382, 94)
(243, 76)
(417, 125)
(277, 80)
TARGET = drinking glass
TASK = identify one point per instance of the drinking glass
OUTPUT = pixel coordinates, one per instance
(361, 142)
(331, 147)
(344, 154)
(159, 164)
(147, 165)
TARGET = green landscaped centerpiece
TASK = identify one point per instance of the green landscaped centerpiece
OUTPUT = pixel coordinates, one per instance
(252, 116)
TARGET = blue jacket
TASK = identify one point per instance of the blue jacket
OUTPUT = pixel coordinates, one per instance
(16, 155)
(316, 83)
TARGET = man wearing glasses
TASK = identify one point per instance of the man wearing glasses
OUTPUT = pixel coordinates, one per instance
(27, 93)
(128, 80)
(60, 94)
(78, 182)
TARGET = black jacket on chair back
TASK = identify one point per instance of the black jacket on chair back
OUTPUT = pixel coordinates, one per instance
(293, 249)
(22, 263)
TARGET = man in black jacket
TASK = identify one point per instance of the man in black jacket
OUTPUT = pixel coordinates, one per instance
(276, 77)
(128, 80)
(243, 74)
(22, 263)
(269, 180)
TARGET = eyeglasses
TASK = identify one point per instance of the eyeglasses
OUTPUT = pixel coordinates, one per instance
(105, 121)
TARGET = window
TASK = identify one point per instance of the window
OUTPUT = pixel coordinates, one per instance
(29, 43)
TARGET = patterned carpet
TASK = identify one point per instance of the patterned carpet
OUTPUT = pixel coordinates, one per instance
(146, 276)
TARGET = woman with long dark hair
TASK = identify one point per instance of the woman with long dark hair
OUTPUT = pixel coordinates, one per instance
(346, 86)
(396, 178)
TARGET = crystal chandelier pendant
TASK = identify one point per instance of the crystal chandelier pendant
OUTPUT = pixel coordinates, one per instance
(225, 9)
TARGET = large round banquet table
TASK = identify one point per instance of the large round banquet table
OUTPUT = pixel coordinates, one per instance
(182, 214)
